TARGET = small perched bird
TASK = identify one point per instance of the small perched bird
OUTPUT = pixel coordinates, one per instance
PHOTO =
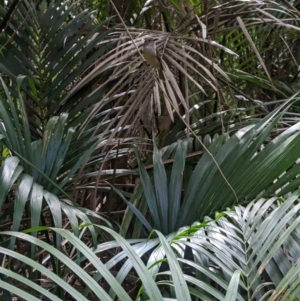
(149, 53)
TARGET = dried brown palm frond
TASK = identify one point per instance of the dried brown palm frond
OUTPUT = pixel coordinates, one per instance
(138, 88)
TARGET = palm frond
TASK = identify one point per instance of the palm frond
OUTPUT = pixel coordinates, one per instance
(241, 157)
(47, 49)
(247, 253)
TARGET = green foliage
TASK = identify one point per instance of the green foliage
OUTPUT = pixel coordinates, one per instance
(39, 170)
(54, 56)
(244, 253)
(73, 80)
(226, 174)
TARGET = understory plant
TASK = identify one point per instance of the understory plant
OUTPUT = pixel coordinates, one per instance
(244, 253)
(119, 181)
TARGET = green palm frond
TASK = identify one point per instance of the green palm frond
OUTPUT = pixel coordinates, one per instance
(176, 197)
(258, 242)
(90, 281)
(41, 172)
(247, 253)
(44, 44)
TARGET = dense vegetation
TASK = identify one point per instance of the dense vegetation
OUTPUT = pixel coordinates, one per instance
(120, 181)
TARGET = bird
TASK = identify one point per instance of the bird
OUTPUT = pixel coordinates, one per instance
(150, 55)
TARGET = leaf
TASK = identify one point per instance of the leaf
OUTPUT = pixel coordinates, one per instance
(181, 288)
(232, 289)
